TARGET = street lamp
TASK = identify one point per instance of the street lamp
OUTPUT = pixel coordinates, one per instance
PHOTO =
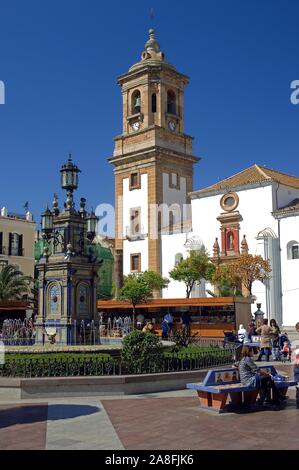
(47, 222)
(69, 175)
(92, 221)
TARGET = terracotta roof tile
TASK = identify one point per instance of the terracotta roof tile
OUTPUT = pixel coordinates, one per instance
(254, 174)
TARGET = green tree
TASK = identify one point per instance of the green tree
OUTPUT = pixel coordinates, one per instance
(141, 352)
(251, 268)
(193, 269)
(138, 288)
(226, 280)
(14, 286)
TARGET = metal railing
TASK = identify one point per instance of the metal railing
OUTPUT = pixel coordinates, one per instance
(30, 368)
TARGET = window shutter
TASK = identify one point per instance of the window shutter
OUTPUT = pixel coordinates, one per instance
(10, 244)
(20, 247)
(1, 243)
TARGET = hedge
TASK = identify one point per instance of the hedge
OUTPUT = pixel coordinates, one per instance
(57, 365)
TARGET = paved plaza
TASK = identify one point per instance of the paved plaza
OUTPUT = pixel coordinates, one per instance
(162, 421)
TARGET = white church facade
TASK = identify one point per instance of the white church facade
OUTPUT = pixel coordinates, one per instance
(159, 216)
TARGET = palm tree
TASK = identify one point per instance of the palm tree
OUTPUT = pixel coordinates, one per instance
(14, 286)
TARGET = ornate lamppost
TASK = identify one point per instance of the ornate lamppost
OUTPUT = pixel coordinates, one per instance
(68, 270)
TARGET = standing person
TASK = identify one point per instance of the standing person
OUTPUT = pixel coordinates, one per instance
(165, 329)
(186, 320)
(251, 376)
(251, 331)
(275, 339)
(265, 331)
(169, 318)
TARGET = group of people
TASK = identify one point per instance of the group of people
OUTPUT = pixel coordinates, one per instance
(251, 376)
(167, 325)
(272, 340)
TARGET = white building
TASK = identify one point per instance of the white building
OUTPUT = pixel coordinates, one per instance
(159, 217)
(262, 205)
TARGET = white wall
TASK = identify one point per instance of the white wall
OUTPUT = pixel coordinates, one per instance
(171, 245)
(290, 271)
(255, 207)
(173, 196)
(133, 247)
(135, 198)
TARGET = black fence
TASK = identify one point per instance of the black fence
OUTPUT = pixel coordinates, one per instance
(77, 365)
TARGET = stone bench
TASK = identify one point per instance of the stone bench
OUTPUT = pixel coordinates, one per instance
(219, 384)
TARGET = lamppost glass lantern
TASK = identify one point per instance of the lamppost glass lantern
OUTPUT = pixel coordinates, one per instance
(47, 221)
(92, 221)
(69, 175)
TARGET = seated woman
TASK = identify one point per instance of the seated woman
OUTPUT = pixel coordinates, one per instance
(251, 376)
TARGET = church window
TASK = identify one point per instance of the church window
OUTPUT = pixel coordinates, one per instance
(136, 262)
(134, 181)
(178, 258)
(136, 102)
(293, 250)
(171, 102)
(229, 202)
(154, 103)
(174, 181)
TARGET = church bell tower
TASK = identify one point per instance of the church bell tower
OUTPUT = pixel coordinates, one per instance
(153, 160)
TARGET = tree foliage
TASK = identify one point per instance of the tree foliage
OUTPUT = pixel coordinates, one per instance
(251, 268)
(226, 280)
(14, 286)
(138, 288)
(141, 352)
(193, 269)
(247, 269)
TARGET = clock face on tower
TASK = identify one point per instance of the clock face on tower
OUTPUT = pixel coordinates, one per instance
(136, 125)
(172, 126)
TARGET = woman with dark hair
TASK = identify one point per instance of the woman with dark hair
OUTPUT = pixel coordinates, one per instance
(251, 376)
(275, 339)
(251, 330)
(265, 330)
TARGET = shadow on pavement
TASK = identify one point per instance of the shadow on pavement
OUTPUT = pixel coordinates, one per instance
(28, 414)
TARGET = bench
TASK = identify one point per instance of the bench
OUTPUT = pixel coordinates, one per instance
(218, 384)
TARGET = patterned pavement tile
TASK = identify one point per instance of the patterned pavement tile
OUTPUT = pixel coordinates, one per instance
(23, 427)
(176, 424)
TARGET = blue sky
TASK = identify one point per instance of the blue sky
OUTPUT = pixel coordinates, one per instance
(59, 61)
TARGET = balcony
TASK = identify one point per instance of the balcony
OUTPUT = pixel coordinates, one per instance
(135, 233)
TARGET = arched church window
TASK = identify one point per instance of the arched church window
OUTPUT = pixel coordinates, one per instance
(178, 258)
(293, 250)
(171, 102)
(136, 102)
(154, 103)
